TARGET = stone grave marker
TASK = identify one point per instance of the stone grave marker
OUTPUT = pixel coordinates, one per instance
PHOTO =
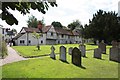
(52, 55)
(97, 53)
(70, 50)
(102, 46)
(82, 48)
(114, 43)
(114, 54)
(62, 53)
(76, 57)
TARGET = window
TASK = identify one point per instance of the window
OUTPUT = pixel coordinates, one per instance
(41, 42)
(62, 35)
(29, 41)
(51, 33)
(22, 41)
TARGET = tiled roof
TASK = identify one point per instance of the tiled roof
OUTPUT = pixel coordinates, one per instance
(63, 31)
(18, 35)
(46, 28)
(31, 29)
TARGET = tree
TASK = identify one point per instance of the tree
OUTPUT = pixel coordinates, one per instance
(37, 36)
(23, 8)
(57, 24)
(103, 26)
(32, 22)
(75, 25)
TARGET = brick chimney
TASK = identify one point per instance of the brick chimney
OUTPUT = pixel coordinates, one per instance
(40, 25)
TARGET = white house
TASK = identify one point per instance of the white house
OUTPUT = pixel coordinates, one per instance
(50, 35)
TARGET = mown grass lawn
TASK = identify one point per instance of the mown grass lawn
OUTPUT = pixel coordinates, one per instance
(29, 51)
(46, 67)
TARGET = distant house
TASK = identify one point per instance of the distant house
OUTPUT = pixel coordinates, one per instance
(50, 35)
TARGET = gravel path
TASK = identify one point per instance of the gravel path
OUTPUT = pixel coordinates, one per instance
(12, 57)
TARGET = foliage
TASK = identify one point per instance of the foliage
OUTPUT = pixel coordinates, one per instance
(23, 8)
(46, 67)
(37, 36)
(4, 49)
(103, 26)
(57, 24)
(32, 22)
(75, 25)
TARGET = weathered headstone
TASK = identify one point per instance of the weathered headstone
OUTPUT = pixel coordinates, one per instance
(52, 55)
(76, 57)
(97, 42)
(102, 46)
(62, 53)
(82, 48)
(97, 53)
(114, 43)
(114, 54)
(70, 50)
(118, 44)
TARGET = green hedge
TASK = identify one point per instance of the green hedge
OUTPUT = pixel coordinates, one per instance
(4, 49)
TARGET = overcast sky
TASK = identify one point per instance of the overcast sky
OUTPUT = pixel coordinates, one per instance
(66, 12)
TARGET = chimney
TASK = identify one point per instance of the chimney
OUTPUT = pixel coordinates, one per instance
(40, 25)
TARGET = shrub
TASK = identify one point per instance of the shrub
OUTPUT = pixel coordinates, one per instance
(4, 49)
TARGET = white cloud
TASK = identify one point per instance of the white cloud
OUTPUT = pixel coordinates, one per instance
(67, 11)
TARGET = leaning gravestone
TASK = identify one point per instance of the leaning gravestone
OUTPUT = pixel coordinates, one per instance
(52, 55)
(70, 50)
(76, 57)
(62, 53)
(115, 54)
(82, 48)
(102, 46)
(97, 53)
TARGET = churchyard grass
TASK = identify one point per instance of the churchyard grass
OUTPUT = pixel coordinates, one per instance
(31, 51)
(46, 67)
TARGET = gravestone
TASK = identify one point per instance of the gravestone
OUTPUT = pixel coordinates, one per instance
(114, 43)
(114, 54)
(82, 48)
(70, 50)
(62, 53)
(118, 44)
(102, 46)
(97, 42)
(76, 57)
(97, 53)
(52, 55)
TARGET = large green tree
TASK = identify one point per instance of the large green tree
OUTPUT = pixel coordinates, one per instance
(23, 8)
(103, 26)
(57, 24)
(32, 22)
(75, 25)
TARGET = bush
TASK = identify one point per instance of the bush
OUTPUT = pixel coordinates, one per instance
(4, 49)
